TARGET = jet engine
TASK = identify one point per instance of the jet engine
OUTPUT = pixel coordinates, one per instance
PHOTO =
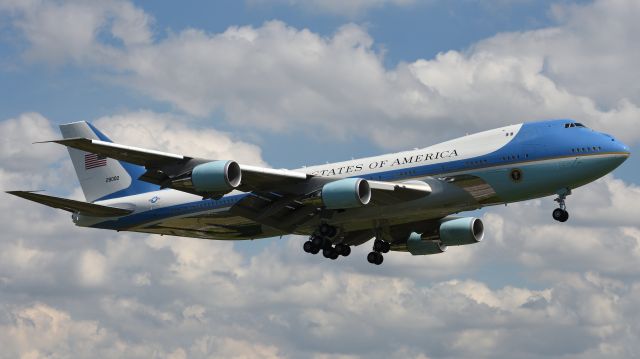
(346, 193)
(461, 231)
(450, 232)
(419, 247)
(216, 176)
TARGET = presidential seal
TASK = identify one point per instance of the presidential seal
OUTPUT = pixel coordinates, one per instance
(516, 175)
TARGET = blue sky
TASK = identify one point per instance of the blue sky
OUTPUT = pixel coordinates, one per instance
(287, 83)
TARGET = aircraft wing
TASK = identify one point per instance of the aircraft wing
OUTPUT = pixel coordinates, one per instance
(89, 209)
(280, 198)
(173, 170)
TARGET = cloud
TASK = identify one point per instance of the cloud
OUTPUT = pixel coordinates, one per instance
(280, 78)
(16, 147)
(166, 132)
(74, 31)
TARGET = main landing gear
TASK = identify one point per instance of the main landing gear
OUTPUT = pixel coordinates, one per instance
(379, 247)
(561, 214)
(321, 240)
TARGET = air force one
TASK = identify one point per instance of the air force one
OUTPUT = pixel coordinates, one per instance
(407, 201)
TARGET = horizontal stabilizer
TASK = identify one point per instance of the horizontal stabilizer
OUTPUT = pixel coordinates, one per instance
(89, 209)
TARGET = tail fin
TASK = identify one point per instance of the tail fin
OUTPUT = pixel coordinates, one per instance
(100, 177)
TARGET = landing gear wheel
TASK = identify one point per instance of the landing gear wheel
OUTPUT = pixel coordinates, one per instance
(330, 253)
(375, 258)
(309, 247)
(560, 215)
(381, 246)
(346, 251)
(343, 249)
(317, 241)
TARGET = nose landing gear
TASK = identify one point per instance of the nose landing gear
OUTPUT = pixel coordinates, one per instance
(561, 214)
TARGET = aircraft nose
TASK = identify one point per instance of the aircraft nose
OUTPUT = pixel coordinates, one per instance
(626, 149)
(622, 152)
(622, 149)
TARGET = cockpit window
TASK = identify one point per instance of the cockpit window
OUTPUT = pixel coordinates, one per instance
(576, 124)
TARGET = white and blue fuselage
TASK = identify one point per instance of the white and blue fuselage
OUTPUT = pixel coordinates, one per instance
(504, 165)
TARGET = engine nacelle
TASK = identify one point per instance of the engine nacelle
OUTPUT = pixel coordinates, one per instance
(461, 231)
(419, 247)
(451, 232)
(346, 193)
(216, 176)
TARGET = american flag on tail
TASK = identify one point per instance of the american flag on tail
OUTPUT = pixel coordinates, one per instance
(91, 160)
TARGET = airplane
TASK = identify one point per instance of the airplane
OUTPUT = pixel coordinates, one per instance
(407, 201)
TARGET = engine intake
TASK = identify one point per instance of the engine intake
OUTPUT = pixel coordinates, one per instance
(346, 193)
(216, 176)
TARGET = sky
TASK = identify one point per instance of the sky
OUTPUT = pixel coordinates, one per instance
(287, 83)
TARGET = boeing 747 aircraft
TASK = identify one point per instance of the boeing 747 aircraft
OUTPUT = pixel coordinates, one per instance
(407, 201)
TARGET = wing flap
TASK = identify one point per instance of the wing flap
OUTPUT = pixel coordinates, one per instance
(261, 178)
(70, 205)
(391, 192)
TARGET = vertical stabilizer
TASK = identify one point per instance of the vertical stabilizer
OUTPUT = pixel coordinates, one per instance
(101, 177)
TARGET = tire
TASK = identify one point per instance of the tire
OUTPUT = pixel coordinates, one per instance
(386, 246)
(317, 241)
(377, 245)
(371, 257)
(380, 259)
(565, 216)
(315, 250)
(558, 214)
(346, 251)
(308, 246)
(327, 252)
